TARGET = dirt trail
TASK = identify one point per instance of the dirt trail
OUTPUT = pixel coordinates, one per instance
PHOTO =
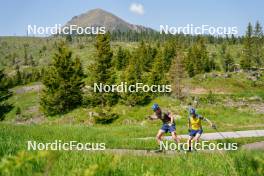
(254, 146)
(220, 135)
(31, 88)
(206, 136)
(152, 152)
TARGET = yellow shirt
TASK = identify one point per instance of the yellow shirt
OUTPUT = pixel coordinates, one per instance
(196, 123)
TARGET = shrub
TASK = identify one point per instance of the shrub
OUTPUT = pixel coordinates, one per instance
(24, 163)
(104, 116)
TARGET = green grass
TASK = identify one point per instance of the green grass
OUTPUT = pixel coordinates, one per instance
(73, 163)
(114, 136)
(236, 84)
(16, 160)
(28, 102)
(11, 45)
(226, 118)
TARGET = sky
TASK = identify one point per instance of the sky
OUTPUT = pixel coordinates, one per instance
(16, 15)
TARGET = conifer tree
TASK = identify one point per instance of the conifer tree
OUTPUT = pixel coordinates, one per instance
(146, 55)
(197, 60)
(134, 74)
(18, 78)
(189, 63)
(25, 54)
(177, 74)
(169, 53)
(4, 95)
(102, 71)
(31, 60)
(228, 62)
(246, 61)
(158, 71)
(258, 54)
(63, 83)
(122, 57)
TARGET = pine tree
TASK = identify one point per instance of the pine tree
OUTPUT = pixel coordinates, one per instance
(102, 71)
(228, 62)
(203, 57)
(189, 63)
(233, 40)
(138, 72)
(122, 57)
(158, 71)
(146, 55)
(31, 60)
(169, 53)
(258, 54)
(133, 75)
(69, 38)
(246, 61)
(4, 95)
(25, 54)
(63, 83)
(177, 74)
(198, 60)
(18, 77)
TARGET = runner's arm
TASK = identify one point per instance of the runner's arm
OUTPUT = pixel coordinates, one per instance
(209, 121)
(189, 123)
(171, 117)
(152, 117)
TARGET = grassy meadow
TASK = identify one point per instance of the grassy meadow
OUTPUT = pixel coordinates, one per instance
(232, 103)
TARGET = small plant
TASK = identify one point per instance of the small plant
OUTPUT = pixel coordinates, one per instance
(210, 97)
(24, 163)
(18, 111)
(105, 116)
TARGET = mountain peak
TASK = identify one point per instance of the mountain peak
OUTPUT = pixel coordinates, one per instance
(100, 17)
(98, 10)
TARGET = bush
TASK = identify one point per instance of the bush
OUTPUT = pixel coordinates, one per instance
(24, 163)
(18, 111)
(210, 98)
(104, 116)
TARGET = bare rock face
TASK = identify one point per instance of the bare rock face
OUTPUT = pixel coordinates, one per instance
(99, 17)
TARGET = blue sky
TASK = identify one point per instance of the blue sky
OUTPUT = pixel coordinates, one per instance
(15, 15)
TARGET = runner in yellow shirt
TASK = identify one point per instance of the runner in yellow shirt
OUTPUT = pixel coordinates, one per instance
(195, 126)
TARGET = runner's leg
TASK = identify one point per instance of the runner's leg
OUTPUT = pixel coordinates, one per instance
(190, 142)
(196, 138)
(175, 137)
(159, 136)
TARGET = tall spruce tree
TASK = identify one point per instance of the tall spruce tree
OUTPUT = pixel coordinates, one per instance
(258, 54)
(134, 74)
(121, 59)
(198, 60)
(246, 61)
(25, 54)
(169, 53)
(146, 55)
(18, 77)
(102, 71)
(158, 71)
(63, 83)
(189, 63)
(228, 62)
(177, 74)
(4, 95)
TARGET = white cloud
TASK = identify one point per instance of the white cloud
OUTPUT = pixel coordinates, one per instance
(137, 8)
